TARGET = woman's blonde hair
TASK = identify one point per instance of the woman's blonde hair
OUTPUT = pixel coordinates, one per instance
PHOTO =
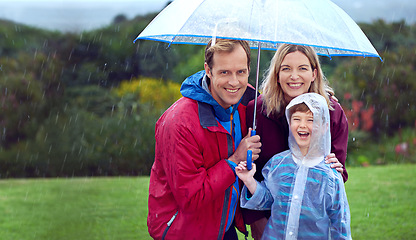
(273, 96)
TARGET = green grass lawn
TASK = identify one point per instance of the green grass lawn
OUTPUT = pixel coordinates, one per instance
(382, 201)
(76, 209)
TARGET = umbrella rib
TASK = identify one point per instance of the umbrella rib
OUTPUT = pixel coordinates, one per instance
(329, 54)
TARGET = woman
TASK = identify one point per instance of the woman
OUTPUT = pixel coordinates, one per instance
(294, 70)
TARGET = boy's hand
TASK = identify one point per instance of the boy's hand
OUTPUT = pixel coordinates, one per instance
(243, 173)
(247, 176)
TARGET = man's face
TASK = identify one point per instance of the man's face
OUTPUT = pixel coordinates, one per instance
(301, 125)
(229, 76)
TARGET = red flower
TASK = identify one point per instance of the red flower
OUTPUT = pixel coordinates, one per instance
(347, 96)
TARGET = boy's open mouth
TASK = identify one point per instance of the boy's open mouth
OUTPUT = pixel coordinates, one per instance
(303, 134)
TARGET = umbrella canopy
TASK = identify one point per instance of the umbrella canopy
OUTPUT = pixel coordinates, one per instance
(318, 23)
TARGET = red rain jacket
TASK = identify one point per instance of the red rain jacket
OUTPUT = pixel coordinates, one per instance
(190, 177)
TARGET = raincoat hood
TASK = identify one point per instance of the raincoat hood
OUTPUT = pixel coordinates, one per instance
(196, 87)
(320, 144)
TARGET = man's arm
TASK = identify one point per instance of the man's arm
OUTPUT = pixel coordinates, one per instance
(191, 182)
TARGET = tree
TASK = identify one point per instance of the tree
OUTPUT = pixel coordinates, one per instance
(388, 87)
(29, 87)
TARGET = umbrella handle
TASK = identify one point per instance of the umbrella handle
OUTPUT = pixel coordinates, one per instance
(250, 153)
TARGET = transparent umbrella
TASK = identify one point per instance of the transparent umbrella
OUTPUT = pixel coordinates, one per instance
(264, 23)
(318, 23)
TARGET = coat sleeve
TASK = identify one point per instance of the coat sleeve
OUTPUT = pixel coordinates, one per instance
(339, 136)
(193, 185)
(260, 200)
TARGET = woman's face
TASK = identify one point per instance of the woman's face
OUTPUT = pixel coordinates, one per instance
(296, 75)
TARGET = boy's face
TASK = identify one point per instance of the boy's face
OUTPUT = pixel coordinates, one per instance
(301, 124)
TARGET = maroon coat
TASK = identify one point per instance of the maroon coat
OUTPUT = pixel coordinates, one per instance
(274, 133)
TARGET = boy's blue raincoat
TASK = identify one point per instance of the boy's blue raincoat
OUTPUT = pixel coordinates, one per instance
(306, 197)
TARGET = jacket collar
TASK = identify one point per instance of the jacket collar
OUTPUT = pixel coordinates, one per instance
(206, 115)
(193, 88)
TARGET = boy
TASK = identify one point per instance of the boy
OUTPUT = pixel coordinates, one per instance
(306, 197)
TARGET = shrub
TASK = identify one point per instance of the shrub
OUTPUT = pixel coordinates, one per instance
(156, 93)
(363, 150)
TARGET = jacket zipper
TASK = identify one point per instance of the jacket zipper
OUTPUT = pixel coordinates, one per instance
(231, 123)
(169, 223)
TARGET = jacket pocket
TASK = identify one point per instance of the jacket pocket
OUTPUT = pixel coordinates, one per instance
(168, 225)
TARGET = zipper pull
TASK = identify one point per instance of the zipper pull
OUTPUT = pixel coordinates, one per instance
(231, 123)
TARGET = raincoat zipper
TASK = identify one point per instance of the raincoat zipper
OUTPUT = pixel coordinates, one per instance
(169, 223)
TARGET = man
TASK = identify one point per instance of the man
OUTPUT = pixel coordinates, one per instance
(200, 139)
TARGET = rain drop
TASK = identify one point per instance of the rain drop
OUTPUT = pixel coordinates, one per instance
(70, 54)
(3, 137)
(112, 110)
(89, 78)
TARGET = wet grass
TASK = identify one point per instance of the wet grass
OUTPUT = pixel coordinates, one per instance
(79, 208)
(382, 201)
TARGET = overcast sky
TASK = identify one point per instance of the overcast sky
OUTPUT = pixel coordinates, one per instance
(74, 15)
(78, 15)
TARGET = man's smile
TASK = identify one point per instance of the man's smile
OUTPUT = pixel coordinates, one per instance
(231, 90)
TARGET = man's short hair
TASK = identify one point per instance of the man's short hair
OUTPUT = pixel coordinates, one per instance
(225, 45)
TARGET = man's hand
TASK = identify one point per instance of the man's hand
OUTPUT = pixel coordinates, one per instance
(247, 143)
